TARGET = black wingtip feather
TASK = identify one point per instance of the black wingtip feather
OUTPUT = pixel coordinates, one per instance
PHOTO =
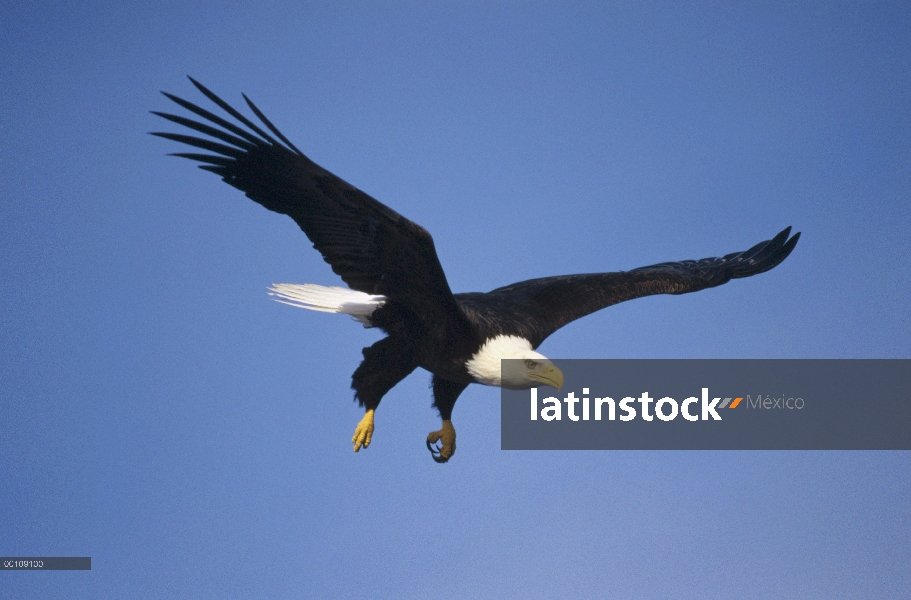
(762, 257)
(200, 143)
(214, 118)
(221, 171)
(231, 111)
(269, 124)
(205, 158)
(205, 129)
(789, 246)
(769, 255)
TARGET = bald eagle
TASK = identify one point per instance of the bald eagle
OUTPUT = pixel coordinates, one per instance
(395, 280)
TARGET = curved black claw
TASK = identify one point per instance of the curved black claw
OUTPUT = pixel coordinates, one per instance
(435, 453)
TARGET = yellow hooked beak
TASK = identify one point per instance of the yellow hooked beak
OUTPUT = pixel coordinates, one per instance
(552, 377)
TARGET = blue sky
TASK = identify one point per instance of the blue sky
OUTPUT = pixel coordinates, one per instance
(160, 414)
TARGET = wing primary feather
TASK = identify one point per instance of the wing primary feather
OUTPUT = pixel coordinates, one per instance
(222, 171)
(201, 143)
(214, 118)
(764, 249)
(269, 124)
(204, 158)
(231, 111)
(771, 261)
(761, 257)
(206, 129)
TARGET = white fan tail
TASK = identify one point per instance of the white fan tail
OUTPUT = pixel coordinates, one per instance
(328, 299)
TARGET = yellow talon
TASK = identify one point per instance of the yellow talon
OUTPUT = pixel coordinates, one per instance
(447, 437)
(364, 431)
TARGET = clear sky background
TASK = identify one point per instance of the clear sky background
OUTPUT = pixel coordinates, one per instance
(159, 413)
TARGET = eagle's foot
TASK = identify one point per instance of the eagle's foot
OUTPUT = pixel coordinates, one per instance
(363, 432)
(447, 438)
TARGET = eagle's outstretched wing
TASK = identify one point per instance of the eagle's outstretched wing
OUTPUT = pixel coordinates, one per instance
(551, 302)
(370, 246)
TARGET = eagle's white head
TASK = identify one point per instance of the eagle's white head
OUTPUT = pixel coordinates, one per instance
(527, 369)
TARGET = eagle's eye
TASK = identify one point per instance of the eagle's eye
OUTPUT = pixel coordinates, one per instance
(531, 364)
